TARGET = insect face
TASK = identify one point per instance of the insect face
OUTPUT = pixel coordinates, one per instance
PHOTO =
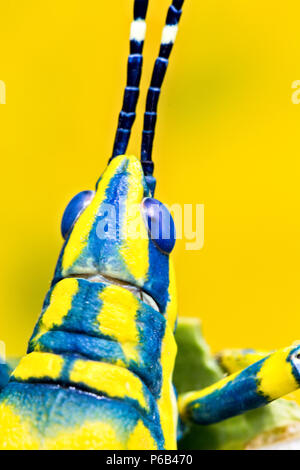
(111, 235)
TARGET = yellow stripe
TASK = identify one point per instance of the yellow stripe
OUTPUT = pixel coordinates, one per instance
(79, 236)
(60, 305)
(15, 432)
(276, 378)
(112, 380)
(117, 318)
(134, 249)
(141, 439)
(89, 436)
(38, 365)
(167, 403)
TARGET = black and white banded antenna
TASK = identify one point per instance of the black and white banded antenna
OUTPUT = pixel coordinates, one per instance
(134, 71)
(167, 41)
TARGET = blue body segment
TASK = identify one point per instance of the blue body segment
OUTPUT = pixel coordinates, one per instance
(71, 408)
(80, 334)
(150, 412)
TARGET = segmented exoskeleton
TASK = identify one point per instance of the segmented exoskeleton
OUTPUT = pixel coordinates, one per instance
(98, 373)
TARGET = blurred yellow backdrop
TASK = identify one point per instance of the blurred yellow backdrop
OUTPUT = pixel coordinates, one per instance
(227, 137)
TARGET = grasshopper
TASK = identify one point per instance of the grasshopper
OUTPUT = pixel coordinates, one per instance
(99, 366)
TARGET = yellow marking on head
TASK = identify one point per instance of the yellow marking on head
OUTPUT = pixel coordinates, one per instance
(60, 304)
(15, 432)
(134, 249)
(276, 378)
(117, 318)
(89, 436)
(79, 236)
(110, 379)
(141, 439)
(38, 365)
(167, 402)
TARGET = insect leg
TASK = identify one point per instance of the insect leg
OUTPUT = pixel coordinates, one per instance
(270, 378)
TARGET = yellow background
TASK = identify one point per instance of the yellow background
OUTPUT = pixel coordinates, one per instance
(227, 137)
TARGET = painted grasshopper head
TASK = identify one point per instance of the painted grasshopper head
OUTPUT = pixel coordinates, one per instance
(121, 233)
(113, 231)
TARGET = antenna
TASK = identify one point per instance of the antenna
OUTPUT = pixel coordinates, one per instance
(134, 71)
(160, 67)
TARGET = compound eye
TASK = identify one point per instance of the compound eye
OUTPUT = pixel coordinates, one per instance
(160, 224)
(73, 210)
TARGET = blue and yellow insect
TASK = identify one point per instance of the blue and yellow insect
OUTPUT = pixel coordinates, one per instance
(98, 371)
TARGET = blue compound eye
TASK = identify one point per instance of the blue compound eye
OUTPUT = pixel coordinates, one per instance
(73, 210)
(160, 224)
